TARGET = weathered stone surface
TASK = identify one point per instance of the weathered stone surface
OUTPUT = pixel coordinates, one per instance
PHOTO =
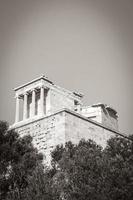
(46, 132)
(78, 127)
(62, 127)
(54, 115)
(101, 113)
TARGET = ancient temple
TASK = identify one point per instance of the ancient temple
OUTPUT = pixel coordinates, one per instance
(53, 115)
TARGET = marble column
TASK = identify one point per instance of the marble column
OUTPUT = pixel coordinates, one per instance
(17, 109)
(33, 102)
(42, 101)
(48, 102)
(25, 106)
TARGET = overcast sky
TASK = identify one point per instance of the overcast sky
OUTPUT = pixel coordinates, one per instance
(82, 45)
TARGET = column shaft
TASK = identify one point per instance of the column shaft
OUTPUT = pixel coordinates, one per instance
(33, 102)
(48, 102)
(17, 109)
(25, 107)
(42, 101)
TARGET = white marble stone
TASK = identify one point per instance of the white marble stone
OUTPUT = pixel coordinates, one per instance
(53, 115)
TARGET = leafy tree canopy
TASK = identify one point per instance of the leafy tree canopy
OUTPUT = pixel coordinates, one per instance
(18, 160)
(87, 172)
(78, 172)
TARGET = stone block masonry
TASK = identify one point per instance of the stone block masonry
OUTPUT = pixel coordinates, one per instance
(46, 133)
(64, 126)
(53, 115)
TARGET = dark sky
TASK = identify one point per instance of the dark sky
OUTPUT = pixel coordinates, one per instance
(82, 45)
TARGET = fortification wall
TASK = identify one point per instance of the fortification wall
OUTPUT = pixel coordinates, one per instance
(78, 127)
(62, 127)
(46, 133)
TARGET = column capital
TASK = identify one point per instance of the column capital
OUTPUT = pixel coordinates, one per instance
(17, 96)
(44, 87)
(41, 86)
(33, 89)
(25, 93)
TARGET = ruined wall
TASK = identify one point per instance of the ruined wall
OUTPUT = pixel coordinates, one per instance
(102, 115)
(109, 120)
(77, 128)
(93, 113)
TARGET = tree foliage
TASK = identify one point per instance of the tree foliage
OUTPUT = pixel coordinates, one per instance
(18, 161)
(119, 178)
(83, 171)
(87, 172)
